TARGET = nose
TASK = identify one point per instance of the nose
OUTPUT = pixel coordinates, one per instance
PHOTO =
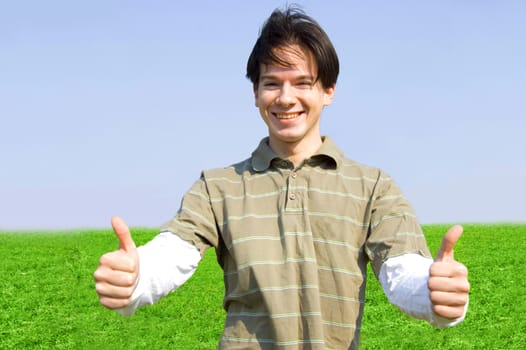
(285, 97)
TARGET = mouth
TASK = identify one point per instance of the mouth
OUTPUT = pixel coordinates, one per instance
(286, 115)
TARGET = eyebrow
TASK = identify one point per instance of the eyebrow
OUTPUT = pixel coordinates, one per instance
(274, 76)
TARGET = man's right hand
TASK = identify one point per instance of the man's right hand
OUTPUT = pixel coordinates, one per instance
(118, 271)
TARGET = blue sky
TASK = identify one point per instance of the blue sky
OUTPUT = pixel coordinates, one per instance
(114, 107)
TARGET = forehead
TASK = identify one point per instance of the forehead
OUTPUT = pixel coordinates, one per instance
(291, 58)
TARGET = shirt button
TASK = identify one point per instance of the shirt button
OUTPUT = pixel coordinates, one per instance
(292, 196)
(294, 175)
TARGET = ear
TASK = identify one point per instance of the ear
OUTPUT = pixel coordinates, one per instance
(255, 90)
(328, 95)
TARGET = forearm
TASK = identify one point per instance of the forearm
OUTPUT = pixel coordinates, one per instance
(165, 263)
(404, 281)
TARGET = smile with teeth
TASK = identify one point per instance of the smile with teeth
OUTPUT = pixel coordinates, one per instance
(286, 115)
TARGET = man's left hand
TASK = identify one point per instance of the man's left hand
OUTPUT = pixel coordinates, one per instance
(448, 279)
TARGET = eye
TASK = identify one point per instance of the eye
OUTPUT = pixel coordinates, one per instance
(304, 84)
(270, 85)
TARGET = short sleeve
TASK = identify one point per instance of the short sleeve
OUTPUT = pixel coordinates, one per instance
(195, 222)
(393, 229)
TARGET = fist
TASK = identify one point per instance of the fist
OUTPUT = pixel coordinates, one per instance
(448, 279)
(118, 271)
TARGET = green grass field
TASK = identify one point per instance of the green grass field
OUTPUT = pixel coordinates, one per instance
(48, 299)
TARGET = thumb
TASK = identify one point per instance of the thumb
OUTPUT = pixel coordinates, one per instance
(448, 243)
(122, 232)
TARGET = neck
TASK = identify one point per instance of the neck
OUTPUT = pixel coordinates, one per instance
(298, 151)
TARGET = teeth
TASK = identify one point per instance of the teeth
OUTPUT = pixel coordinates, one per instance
(286, 115)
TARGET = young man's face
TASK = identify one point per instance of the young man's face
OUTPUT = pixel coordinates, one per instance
(290, 99)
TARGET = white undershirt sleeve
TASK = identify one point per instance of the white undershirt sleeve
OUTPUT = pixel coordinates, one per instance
(165, 263)
(404, 281)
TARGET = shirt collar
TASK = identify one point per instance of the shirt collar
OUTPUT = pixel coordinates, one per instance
(327, 154)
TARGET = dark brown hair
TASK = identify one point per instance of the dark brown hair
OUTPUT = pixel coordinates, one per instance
(293, 27)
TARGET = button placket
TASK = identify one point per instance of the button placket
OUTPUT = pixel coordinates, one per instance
(293, 197)
(292, 177)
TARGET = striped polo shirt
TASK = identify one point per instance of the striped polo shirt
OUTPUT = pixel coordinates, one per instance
(294, 243)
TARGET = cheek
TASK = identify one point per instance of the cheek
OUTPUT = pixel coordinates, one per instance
(262, 100)
(259, 104)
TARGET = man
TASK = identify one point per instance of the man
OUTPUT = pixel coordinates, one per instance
(295, 224)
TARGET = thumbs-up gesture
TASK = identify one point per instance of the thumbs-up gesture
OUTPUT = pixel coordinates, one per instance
(448, 279)
(116, 276)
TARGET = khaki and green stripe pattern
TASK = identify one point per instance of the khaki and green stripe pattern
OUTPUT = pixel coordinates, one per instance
(294, 244)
